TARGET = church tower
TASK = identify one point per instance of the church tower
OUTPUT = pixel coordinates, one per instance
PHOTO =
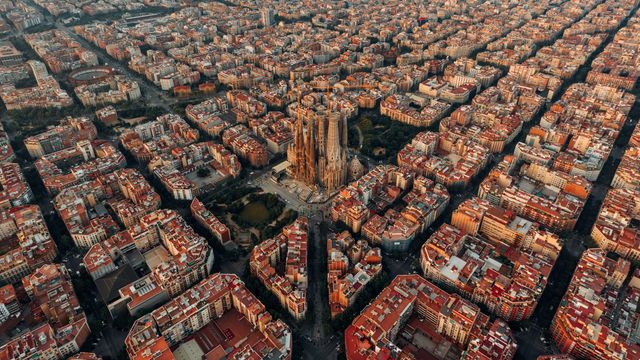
(318, 154)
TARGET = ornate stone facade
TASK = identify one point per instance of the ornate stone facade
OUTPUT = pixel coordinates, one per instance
(318, 154)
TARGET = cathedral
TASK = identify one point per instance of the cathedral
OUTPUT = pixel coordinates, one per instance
(318, 154)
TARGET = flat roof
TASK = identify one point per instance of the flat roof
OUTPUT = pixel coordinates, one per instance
(156, 257)
(281, 167)
(189, 350)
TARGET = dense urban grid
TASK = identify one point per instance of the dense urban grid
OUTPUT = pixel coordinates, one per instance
(283, 179)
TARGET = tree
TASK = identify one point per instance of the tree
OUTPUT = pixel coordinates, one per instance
(204, 172)
(123, 321)
(66, 243)
(254, 239)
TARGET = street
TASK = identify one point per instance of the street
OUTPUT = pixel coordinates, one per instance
(313, 338)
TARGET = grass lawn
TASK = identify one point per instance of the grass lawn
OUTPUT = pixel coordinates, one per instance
(254, 213)
(383, 137)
